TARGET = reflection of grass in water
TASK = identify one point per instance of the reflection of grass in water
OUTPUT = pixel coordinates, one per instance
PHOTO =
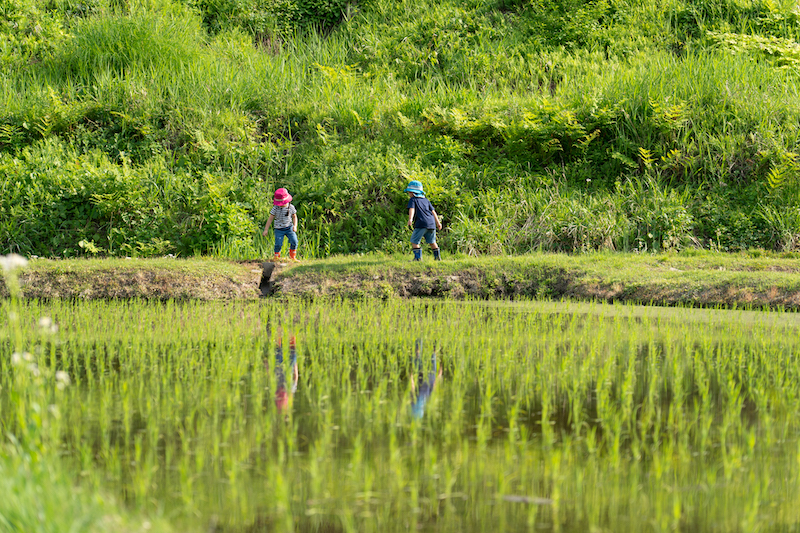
(563, 417)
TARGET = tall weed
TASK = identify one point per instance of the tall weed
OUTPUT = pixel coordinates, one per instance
(659, 218)
(139, 40)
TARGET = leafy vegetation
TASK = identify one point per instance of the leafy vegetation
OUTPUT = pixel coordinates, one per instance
(151, 127)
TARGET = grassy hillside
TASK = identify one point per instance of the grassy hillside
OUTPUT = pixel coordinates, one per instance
(153, 127)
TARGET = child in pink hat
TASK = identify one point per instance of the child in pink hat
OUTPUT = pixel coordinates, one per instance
(284, 216)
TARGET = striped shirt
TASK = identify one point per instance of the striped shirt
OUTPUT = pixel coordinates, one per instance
(283, 215)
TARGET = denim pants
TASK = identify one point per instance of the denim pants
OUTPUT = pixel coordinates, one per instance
(289, 234)
(419, 233)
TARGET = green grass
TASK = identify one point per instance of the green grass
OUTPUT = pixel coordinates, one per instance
(41, 497)
(695, 278)
(752, 279)
(151, 129)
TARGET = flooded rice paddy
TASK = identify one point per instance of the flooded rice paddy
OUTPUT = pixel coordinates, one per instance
(416, 415)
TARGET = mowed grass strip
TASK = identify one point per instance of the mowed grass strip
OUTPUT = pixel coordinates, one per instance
(694, 278)
(753, 279)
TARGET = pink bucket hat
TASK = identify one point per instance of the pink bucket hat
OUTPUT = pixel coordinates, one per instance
(282, 197)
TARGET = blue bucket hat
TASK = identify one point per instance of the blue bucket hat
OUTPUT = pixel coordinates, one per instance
(415, 187)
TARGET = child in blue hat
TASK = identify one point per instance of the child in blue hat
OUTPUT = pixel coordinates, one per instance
(423, 219)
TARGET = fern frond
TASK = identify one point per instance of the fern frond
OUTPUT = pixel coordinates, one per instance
(9, 134)
(44, 125)
(776, 177)
(646, 156)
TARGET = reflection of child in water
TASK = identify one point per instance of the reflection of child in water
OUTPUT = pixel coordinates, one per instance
(282, 396)
(421, 394)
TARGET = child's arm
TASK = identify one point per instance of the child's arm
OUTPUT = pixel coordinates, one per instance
(269, 223)
(438, 222)
(411, 217)
(294, 222)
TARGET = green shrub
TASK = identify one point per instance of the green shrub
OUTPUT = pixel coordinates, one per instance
(271, 19)
(577, 223)
(781, 226)
(658, 217)
(28, 33)
(549, 219)
(694, 16)
(57, 200)
(724, 221)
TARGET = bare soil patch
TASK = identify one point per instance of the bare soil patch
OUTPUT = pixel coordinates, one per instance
(135, 282)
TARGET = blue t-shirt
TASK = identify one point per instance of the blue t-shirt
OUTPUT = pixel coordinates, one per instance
(423, 212)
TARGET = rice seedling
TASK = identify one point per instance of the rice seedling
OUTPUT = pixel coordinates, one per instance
(305, 415)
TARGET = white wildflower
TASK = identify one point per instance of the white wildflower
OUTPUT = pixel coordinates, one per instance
(62, 377)
(47, 324)
(12, 262)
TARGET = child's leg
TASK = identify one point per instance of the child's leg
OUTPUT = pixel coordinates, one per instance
(430, 238)
(279, 234)
(416, 238)
(292, 236)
